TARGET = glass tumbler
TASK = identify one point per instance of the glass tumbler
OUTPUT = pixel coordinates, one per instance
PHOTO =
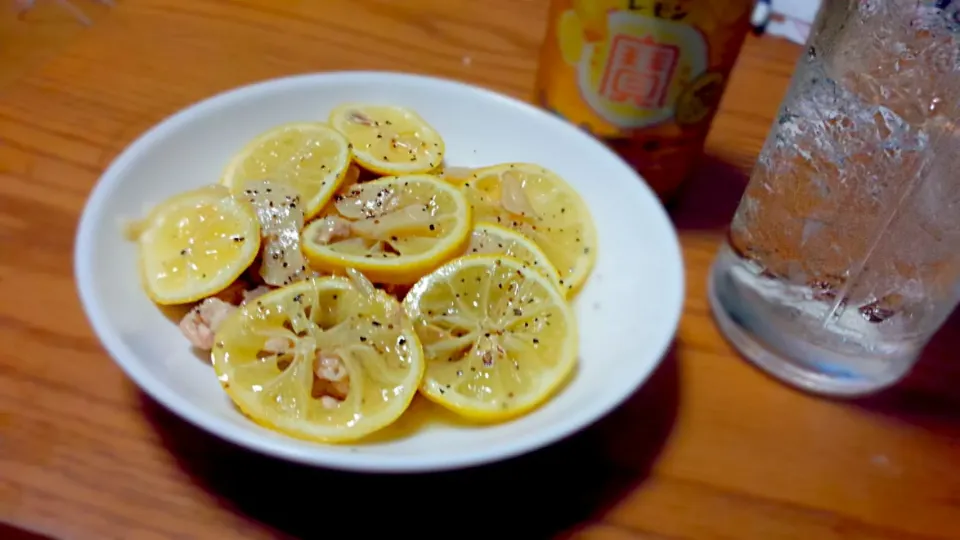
(843, 257)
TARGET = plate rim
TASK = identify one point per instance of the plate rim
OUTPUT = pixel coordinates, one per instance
(347, 461)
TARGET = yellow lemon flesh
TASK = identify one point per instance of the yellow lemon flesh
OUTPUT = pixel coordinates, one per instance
(311, 157)
(394, 229)
(540, 205)
(499, 338)
(322, 359)
(488, 238)
(389, 140)
(196, 244)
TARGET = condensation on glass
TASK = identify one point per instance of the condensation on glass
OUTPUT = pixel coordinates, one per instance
(844, 256)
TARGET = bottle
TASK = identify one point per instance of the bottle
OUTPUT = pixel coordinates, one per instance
(645, 76)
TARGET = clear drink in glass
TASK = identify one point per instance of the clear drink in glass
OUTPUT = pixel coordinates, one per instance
(843, 258)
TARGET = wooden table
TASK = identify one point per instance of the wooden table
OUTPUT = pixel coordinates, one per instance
(710, 448)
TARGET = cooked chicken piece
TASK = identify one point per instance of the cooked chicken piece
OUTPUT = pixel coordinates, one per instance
(333, 379)
(202, 322)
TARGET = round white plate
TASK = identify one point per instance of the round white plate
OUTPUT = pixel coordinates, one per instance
(628, 311)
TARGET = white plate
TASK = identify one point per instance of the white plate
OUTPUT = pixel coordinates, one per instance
(628, 311)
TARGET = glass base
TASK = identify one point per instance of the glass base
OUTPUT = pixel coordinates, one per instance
(770, 335)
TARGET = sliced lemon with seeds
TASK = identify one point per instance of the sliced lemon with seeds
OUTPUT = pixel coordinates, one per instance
(499, 339)
(311, 157)
(389, 140)
(196, 244)
(488, 238)
(540, 205)
(324, 359)
(394, 229)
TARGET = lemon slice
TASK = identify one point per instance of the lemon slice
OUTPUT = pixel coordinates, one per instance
(322, 359)
(389, 140)
(394, 230)
(540, 205)
(488, 238)
(499, 339)
(456, 175)
(196, 244)
(311, 157)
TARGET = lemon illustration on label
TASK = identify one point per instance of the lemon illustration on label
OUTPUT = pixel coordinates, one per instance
(699, 99)
(593, 17)
(570, 35)
(635, 76)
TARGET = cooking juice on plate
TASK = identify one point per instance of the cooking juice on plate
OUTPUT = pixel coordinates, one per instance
(646, 76)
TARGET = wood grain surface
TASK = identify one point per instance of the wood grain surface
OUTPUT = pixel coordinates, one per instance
(709, 449)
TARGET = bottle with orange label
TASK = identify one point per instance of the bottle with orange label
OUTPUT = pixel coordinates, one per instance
(644, 75)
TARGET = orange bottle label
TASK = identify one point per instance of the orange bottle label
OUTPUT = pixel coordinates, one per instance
(646, 75)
